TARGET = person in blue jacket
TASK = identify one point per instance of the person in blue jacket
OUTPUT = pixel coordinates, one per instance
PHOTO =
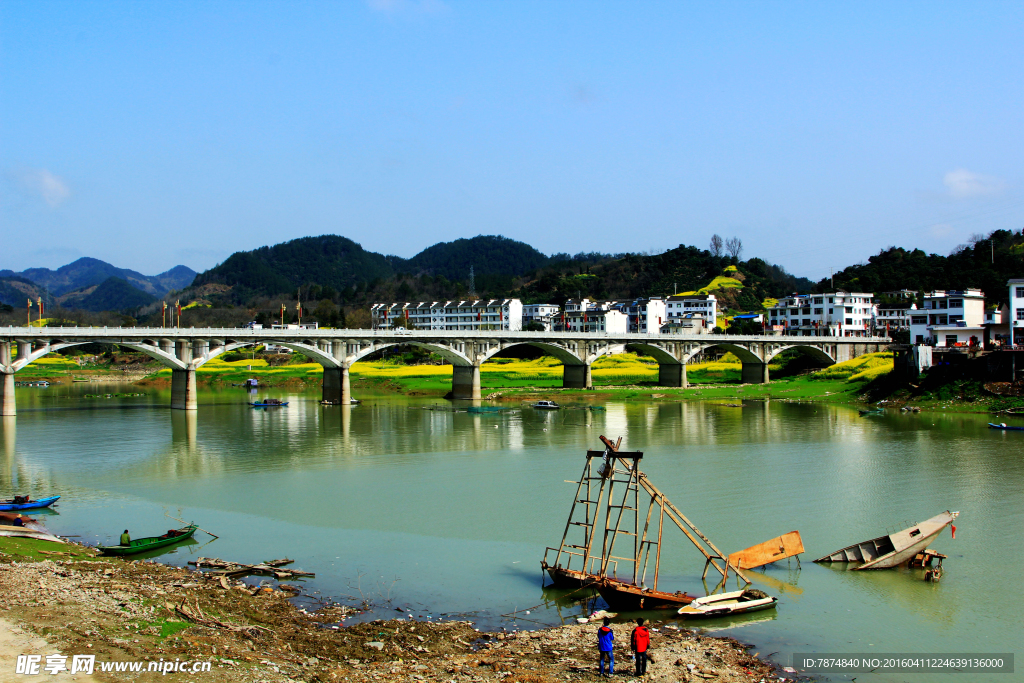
(605, 639)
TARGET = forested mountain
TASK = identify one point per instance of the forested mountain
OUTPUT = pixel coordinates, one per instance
(86, 272)
(113, 294)
(486, 254)
(328, 260)
(986, 263)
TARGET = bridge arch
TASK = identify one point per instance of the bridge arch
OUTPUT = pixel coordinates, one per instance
(449, 354)
(814, 351)
(560, 352)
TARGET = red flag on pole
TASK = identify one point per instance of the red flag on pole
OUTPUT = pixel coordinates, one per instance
(953, 527)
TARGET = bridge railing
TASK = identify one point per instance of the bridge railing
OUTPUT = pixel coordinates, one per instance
(393, 335)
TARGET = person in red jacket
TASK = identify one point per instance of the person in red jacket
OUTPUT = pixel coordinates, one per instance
(639, 642)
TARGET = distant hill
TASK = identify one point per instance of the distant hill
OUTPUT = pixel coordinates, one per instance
(113, 294)
(486, 254)
(328, 260)
(986, 263)
(86, 272)
(16, 290)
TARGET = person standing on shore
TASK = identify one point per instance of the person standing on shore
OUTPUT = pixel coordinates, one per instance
(639, 642)
(605, 641)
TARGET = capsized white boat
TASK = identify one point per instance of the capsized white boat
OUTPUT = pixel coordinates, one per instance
(725, 604)
(894, 549)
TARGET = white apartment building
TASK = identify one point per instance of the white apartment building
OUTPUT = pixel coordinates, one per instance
(1016, 306)
(892, 318)
(545, 314)
(475, 314)
(646, 315)
(834, 314)
(703, 306)
(610, 321)
(949, 318)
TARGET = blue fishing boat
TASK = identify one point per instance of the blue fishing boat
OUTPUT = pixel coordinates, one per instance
(268, 403)
(1003, 425)
(19, 503)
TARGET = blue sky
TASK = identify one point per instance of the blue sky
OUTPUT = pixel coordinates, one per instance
(149, 134)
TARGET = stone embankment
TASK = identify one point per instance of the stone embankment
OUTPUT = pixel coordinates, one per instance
(77, 603)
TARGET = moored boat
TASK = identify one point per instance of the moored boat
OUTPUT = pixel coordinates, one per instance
(546, 405)
(725, 604)
(628, 597)
(268, 403)
(892, 550)
(141, 545)
(1003, 425)
(23, 503)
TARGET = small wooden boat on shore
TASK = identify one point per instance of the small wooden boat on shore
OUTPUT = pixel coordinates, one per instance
(269, 403)
(727, 604)
(141, 545)
(1003, 425)
(19, 503)
(893, 550)
(546, 405)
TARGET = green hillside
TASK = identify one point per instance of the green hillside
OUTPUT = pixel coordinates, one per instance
(986, 263)
(113, 294)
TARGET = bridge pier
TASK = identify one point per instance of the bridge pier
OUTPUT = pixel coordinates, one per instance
(7, 408)
(466, 381)
(183, 390)
(755, 373)
(672, 375)
(337, 386)
(577, 377)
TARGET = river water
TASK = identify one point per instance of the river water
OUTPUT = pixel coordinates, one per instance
(449, 513)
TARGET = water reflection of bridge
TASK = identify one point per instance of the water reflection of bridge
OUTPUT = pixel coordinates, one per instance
(184, 351)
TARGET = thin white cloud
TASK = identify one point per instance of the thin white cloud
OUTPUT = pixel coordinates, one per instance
(51, 188)
(964, 184)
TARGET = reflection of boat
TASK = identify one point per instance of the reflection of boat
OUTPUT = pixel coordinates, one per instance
(725, 604)
(141, 545)
(546, 405)
(19, 503)
(1003, 425)
(871, 411)
(894, 549)
(268, 403)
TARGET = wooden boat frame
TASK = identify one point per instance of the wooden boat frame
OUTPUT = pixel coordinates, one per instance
(601, 569)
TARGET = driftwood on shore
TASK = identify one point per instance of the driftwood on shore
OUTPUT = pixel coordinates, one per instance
(196, 616)
(273, 568)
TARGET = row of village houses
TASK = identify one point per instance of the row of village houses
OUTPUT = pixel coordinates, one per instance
(947, 317)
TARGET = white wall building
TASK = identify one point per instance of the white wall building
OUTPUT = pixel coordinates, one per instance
(834, 314)
(476, 314)
(610, 321)
(703, 306)
(893, 318)
(949, 318)
(645, 316)
(1017, 310)
(545, 314)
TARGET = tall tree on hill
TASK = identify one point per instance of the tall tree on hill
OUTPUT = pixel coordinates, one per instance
(716, 245)
(734, 245)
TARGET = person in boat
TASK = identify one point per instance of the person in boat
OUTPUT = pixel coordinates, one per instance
(125, 538)
(605, 641)
(639, 642)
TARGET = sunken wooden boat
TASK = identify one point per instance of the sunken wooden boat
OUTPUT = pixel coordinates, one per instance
(892, 550)
(19, 503)
(628, 597)
(141, 545)
(727, 604)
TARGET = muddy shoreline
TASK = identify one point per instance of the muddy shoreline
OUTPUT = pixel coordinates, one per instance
(71, 601)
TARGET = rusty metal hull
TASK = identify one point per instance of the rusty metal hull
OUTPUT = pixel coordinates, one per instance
(894, 550)
(625, 597)
(779, 548)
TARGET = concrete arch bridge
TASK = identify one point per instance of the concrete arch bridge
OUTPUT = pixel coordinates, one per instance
(186, 349)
